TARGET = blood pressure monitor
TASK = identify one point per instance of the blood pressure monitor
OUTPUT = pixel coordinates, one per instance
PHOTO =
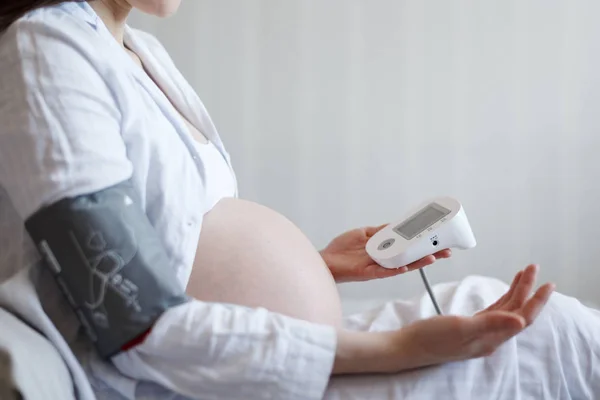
(435, 225)
(438, 224)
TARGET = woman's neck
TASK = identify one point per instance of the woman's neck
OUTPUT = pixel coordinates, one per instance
(114, 14)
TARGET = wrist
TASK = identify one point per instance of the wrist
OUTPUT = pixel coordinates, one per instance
(355, 352)
(325, 257)
(340, 275)
(372, 352)
(327, 260)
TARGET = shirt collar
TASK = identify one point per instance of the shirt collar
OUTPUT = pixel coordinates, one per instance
(83, 10)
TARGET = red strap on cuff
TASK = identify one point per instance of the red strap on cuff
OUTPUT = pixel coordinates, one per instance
(136, 341)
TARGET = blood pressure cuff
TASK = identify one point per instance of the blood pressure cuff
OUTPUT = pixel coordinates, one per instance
(109, 263)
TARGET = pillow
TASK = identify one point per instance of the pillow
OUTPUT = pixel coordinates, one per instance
(30, 367)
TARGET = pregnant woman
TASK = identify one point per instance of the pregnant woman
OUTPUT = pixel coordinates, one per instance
(112, 171)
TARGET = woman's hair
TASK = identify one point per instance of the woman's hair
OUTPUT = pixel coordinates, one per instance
(11, 10)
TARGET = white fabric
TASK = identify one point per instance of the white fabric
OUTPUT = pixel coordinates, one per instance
(556, 358)
(78, 115)
(219, 182)
(36, 368)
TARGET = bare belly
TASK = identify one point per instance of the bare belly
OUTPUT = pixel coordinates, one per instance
(250, 255)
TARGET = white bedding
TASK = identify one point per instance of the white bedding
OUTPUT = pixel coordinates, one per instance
(558, 357)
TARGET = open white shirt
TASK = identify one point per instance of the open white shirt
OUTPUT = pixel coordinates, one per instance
(77, 115)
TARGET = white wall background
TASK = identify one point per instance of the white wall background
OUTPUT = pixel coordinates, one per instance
(342, 113)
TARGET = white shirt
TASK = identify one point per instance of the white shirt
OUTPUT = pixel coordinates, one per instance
(219, 181)
(77, 115)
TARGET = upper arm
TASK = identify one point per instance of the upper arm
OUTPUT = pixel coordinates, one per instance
(60, 124)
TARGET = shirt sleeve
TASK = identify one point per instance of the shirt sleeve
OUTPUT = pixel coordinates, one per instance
(60, 137)
(61, 122)
(221, 351)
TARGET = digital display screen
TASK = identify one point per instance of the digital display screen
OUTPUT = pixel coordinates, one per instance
(421, 221)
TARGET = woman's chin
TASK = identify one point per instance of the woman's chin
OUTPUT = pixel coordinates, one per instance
(157, 8)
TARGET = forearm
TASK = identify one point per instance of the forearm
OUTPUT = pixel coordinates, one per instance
(373, 352)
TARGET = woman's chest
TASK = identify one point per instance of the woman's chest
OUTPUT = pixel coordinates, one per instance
(173, 178)
(167, 167)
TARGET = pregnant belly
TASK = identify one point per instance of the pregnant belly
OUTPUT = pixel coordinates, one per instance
(250, 255)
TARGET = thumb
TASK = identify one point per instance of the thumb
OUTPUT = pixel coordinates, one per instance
(495, 322)
(371, 230)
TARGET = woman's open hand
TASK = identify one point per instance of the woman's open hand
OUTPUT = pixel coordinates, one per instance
(442, 339)
(348, 260)
(452, 338)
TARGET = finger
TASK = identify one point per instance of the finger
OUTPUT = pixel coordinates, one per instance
(496, 322)
(381, 272)
(446, 253)
(513, 287)
(532, 308)
(371, 230)
(428, 260)
(504, 299)
(423, 262)
(523, 289)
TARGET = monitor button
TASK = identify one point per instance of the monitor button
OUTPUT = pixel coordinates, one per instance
(386, 244)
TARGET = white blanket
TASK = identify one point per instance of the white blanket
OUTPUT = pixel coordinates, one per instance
(558, 357)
